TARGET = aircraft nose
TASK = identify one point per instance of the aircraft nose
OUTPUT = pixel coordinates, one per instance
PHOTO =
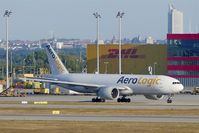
(179, 88)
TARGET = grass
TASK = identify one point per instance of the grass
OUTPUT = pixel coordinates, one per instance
(95, 127)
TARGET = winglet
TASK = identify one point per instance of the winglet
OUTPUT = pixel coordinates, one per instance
(55, 63)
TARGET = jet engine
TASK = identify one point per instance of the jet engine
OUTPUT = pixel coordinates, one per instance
(108, 93)
(154, 97)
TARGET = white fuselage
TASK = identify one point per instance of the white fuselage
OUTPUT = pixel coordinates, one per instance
(139, 84)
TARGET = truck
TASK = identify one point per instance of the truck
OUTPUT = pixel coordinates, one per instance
(41, 91)
(57, 91)
(195, 91)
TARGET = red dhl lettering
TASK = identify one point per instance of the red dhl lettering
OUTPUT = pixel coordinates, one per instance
(125, 53)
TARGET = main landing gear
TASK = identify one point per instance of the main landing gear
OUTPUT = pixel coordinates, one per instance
(97, 100)
(169, 100)
(124, 99)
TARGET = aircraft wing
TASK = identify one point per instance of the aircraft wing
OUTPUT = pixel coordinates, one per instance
(56, 81)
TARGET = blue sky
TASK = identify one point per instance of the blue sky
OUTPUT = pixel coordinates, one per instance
(36, 19)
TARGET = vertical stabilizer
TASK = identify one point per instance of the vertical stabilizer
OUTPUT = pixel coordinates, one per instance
(55, 63)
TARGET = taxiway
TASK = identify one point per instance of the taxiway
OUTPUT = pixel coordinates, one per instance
(184, 102)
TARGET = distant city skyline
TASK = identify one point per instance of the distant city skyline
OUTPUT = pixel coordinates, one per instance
(34, 19)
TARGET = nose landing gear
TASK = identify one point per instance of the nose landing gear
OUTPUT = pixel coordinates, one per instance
(169, 100)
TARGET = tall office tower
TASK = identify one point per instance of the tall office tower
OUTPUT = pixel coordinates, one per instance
(175, 20)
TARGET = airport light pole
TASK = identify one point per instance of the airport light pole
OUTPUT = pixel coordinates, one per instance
(155, 63)
(7, 15)
(106, 66)
(120, 15)
(33, 54)
(24, 66)
(11, 68)
(97, 16)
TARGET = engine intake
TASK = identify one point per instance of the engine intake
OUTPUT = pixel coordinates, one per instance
(108, 93)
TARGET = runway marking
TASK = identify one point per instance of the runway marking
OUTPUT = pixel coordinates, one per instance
(55, 112)
(41, 102)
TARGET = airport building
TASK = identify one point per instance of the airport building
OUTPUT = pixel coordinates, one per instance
(183, 58)
(136, 59)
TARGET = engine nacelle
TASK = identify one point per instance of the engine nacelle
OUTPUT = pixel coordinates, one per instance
(154, 97)
(108, 93)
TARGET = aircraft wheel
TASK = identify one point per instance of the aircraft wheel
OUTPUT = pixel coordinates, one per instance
(169, 101)
(97, 100)
(128, 100)
(118, 100)
(93, 100)
(103, 100)
(125, 100)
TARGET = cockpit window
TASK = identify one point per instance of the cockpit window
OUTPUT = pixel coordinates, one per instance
(176, 83)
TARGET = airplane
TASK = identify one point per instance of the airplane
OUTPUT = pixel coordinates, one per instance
(109, 86)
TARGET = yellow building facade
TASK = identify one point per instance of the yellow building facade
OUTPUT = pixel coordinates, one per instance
(135, 58)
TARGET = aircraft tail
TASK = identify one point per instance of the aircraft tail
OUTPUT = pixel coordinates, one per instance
(56, 65)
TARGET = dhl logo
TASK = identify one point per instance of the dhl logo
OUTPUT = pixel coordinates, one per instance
(125, 53)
